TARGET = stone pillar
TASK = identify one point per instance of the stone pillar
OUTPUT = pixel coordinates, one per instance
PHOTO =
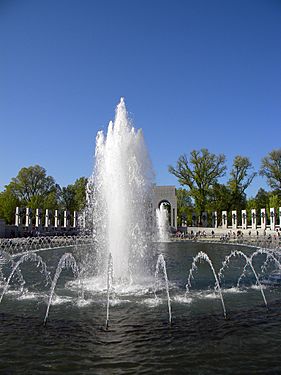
(48, 218)
(84, 219)
(279, 218)
(75, 219)
(263, 218)
(272, 218)
(66, 219)
(234, 219)
(17, 218)
(194, 223)
(244, 219)
(173, 222)
(214, 219)
(57, 219)
(38, 218)
(224, 219)
(204, 219)
(28, 218)
(254, 218)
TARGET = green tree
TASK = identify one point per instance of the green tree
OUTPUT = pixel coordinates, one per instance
(8, 204)
(51, 199)
(274, 201)
(220, 198)
(261, 199)
(67, 197)
(31, 182)
(73, 197)
(199, 173)
(241, 176)
(266, 200)
(80, 193)
(271, 169)
(184, 205)
(31, 187)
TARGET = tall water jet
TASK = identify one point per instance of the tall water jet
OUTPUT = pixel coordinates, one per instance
(119, 198)
(109, 287)
(162, 264)
(162, 223)
(66, 261)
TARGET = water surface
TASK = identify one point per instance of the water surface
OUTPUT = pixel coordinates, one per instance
(139, 339)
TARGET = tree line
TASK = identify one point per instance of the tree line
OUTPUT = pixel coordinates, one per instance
(33, 188)
(199, 175)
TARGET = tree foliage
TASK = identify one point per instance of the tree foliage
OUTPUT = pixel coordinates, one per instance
(8, 204)
(73, 197)
(271, 169)
(184, 205)
(220, 198)
(31, 182)
(34, 189)
(241, 177)
(199, 173)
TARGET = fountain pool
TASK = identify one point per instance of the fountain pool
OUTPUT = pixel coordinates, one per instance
(139, 339)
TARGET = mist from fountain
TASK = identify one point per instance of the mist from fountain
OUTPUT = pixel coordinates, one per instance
(162, 223)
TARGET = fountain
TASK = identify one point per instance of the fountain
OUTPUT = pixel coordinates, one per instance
(105, 293)
(120, 199)
(162, 223)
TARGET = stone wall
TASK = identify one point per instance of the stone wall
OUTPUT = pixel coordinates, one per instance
(251, 219)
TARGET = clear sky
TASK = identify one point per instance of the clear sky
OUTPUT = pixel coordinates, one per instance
(194, 73)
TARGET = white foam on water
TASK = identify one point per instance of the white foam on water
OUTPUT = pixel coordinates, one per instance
(152, 302)
(233, 290)
(182, 299)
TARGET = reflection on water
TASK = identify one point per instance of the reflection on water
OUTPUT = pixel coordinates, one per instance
(139, 339)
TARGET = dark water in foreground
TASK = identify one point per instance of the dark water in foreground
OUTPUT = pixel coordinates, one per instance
(139, 339)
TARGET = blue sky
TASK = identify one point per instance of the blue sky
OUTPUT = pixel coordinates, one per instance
(193, 73)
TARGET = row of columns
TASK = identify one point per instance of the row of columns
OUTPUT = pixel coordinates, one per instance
(57, 221)
(272, 224)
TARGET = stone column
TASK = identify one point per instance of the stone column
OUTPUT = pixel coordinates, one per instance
(48, 218)
(57, 219)
(224, 219)
(174, 219)
(75, 219)
(263, 218)
(204, 219)
(272, 218)
(279, 218)
(28, 218)
(66, 218)
(38, 218)
(234, 219)
(194, 224)
(254, 218)
(82, 220)
(214, 219)
(18, 218)
(244, 219)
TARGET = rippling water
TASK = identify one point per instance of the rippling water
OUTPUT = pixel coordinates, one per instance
(139, 339)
